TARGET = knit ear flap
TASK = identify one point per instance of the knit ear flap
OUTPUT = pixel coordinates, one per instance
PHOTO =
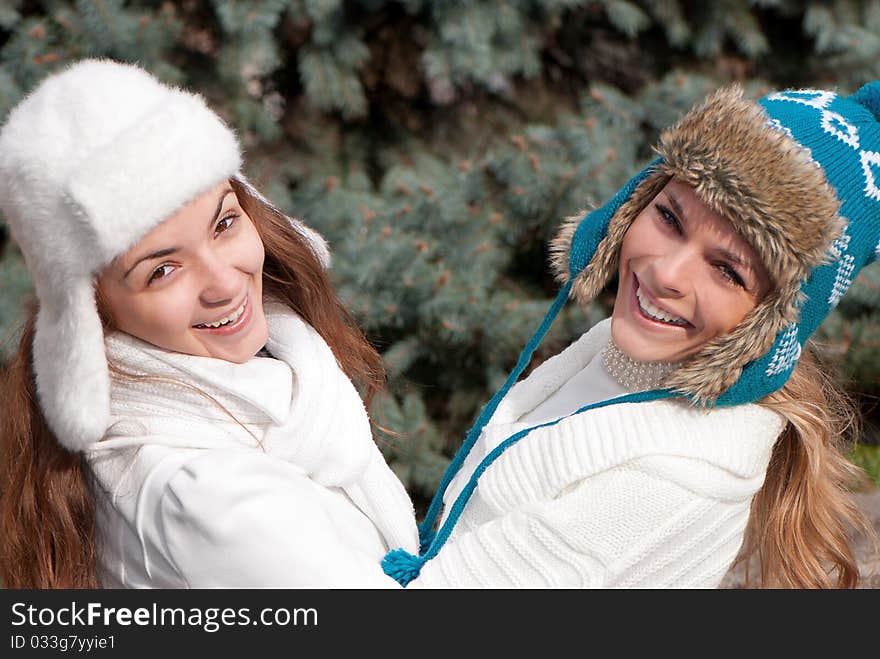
(70, 367)
(587, 247)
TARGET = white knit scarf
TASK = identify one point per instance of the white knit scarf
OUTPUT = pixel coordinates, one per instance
(301, 406)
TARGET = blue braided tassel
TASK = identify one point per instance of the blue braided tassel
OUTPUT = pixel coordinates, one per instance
(426, 537)
(402, 566)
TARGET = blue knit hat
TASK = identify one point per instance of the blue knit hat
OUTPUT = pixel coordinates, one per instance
(797, 173)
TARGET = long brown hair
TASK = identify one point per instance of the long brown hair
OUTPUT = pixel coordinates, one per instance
(48, 530)
(803, 519)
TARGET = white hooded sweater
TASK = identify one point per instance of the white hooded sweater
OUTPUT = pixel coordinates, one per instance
(190, 499)
(647, 495)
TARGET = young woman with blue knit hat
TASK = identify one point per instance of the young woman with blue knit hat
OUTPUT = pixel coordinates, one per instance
(694, 423)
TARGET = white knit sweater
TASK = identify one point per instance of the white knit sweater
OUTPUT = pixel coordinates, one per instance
(646, 495)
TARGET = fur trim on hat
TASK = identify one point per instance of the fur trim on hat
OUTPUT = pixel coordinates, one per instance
(754, 175)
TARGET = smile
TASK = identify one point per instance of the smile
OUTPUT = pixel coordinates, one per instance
(655, 313)
(231, 318)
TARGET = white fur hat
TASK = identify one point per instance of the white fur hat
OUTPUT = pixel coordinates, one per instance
(90, 161)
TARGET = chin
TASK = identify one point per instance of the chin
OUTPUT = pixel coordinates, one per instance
(243, 350)
(245, 353)
(253, 346)
(635, 346)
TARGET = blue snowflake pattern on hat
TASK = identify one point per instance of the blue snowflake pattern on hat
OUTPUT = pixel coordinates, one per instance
(787, 352)
(810, 116)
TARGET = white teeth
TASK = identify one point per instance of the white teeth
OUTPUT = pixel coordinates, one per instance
(656, 313)
(231, 318)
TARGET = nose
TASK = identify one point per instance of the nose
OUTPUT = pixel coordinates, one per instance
(672, 272)
(221, 282)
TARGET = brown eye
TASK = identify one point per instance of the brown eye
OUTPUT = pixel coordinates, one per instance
(153, 276)
(229, 222)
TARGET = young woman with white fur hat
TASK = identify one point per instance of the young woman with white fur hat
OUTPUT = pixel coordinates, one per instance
(180, 411)
(694, 425)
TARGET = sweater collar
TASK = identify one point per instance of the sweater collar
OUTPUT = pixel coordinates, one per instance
(546, 378)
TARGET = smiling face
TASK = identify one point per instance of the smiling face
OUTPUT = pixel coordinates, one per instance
(685, 277)
(202, 265)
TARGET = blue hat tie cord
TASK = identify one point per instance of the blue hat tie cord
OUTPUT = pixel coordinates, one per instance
(426, 527)
(404, 566)
(401, 564)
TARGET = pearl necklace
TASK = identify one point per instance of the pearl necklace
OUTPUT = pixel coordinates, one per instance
(634, 375)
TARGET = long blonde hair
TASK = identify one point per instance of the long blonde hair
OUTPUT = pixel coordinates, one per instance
(48, 531)
(803, 519)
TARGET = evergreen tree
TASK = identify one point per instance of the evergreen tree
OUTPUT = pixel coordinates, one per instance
(438, 144)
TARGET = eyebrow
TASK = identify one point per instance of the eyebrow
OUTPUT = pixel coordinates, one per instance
(732, 257)
(172, 250)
